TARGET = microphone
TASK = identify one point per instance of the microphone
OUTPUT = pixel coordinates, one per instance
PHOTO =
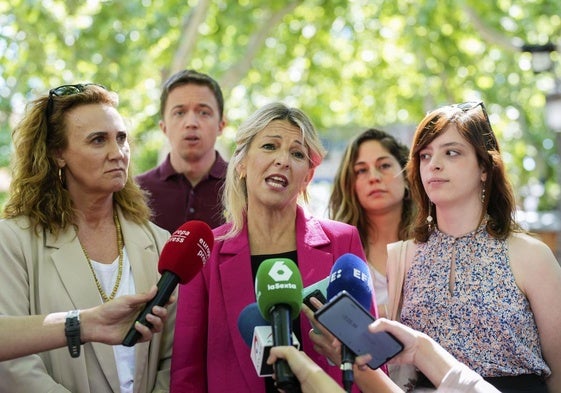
(182, 257)
(350, 273)
(257, 333)
(278, 289)
(248, 320)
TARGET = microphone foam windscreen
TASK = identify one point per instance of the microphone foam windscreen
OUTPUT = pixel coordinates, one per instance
(278, 281)
(187, 250)
(249, 318)
(350, 273)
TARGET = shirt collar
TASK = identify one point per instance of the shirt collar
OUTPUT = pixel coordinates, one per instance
(217, 170)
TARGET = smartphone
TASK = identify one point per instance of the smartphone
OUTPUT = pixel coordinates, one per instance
(318, 295)
(347, 320)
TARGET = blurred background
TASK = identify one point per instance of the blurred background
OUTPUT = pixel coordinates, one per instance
(349, 65)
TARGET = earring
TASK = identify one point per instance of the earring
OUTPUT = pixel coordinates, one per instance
(241, 176)
(61, 176)
(429, 218)
(483, 192)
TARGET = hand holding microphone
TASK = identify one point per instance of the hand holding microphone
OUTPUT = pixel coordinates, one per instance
(182, 257)
(278, 289)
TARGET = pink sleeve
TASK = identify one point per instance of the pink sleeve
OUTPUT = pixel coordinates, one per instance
(188, 361)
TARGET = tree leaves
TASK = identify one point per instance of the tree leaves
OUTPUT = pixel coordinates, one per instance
(348, 64)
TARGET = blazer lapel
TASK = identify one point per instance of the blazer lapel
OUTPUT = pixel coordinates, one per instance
(312, 246)
(78, 282)
(235, 276)
(73, 270)
(143, 258)
(236, 273)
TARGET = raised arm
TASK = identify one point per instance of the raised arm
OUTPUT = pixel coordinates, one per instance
(107, 323)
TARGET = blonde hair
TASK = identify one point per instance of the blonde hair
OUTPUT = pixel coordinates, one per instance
(36, 190)
(234, 197)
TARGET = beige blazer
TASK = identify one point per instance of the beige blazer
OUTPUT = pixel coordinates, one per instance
(400, 255)
(40, 274)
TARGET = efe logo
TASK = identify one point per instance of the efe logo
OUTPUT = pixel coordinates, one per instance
(336, 275)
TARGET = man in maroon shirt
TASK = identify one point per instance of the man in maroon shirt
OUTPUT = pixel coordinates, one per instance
(188, 184)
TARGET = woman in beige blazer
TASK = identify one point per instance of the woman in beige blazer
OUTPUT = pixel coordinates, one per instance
(76, 234)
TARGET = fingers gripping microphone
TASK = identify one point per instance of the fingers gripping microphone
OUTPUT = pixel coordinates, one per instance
(350, 273)
(278, 289)
(182, 257)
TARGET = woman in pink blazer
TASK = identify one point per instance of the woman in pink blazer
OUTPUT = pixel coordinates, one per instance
(277, 150)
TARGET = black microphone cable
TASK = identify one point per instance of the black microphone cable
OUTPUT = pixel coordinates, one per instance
(347, 361)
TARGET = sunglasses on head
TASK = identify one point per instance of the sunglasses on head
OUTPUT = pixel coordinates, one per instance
(66, 90)
(467, 106)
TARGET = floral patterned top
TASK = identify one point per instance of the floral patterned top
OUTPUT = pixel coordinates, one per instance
(482, 317)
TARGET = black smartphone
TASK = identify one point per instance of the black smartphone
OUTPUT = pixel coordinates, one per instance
(318, 294)
(347, 320)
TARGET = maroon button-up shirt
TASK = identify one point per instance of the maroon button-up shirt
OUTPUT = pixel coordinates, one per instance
(174, 201)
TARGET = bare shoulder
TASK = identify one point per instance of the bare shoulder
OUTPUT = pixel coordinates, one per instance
(530, 259)
(527, 247)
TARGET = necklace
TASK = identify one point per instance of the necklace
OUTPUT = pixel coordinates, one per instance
(120, 246)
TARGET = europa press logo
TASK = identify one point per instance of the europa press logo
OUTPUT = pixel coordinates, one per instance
(280, 273)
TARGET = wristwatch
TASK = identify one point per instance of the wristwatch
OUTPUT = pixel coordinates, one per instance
(72, 332)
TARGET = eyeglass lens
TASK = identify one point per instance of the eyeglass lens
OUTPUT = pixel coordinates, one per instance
(66, 90)
(466, 106)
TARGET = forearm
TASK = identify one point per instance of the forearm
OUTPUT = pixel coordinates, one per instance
(374, 381)
(554, 383)
(319, 382)
(23, 336)
(433, 360)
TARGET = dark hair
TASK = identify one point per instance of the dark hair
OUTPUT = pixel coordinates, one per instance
(186, 77)
(343, 203)
(473, 126)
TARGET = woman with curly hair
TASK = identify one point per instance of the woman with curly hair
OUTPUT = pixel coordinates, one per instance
(76, 234)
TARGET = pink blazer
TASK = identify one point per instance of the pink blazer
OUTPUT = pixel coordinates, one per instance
(209, 353)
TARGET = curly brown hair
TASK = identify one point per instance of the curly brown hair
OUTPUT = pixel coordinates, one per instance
(36, 190)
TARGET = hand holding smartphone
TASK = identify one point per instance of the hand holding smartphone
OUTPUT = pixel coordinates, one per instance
(318, 295)
(347, 320)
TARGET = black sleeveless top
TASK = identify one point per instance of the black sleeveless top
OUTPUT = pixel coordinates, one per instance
(256, 260)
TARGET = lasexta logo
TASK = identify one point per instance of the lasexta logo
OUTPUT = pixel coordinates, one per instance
(280, 272)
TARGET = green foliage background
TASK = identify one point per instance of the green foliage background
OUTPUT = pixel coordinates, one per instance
(348, 64)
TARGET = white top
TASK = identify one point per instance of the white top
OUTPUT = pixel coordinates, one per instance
(380, 285)
(124, 356)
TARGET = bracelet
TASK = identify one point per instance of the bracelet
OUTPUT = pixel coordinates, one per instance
(72, 332)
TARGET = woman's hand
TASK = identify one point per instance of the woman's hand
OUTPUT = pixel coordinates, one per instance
(407, 336)
(324, 342)
(312, 378)
(110, 322)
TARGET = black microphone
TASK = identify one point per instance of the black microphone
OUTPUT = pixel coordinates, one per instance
(278, 289)
(182, 257)
(350, 273)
